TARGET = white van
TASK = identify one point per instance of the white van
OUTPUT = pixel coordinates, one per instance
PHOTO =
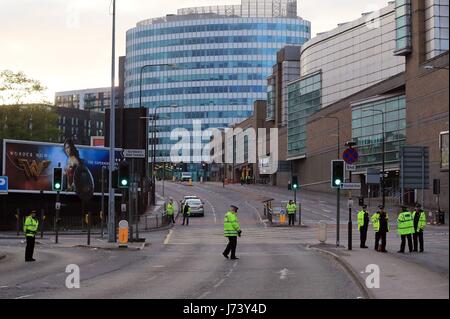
(186, 176)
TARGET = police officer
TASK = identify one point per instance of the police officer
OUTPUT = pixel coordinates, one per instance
(186, 213)
(380, 221)
(30, 229)
(363, 225)
(232, 230)
(405, 227)
(420, 220)
(291, 208)
(170, 209)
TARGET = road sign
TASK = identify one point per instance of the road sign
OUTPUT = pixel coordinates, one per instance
(3, 184)
(351, 186)
(350, 167)
(350, 155)
(133, 153)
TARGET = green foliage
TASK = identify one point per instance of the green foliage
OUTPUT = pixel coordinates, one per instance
(32, 122)
(15, 87)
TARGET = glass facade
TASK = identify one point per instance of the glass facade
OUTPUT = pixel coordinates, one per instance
(367, 130)
(220, 65)
(353, 56)
(304, 99)
(96, 100)
(403, 27)
(271, 98)
(436, 27)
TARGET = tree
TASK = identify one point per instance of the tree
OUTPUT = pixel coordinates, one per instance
(32, 122)
(16, 87)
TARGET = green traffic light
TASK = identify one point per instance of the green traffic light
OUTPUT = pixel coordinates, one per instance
(57, 186)
(295, 186)
(337, 182)
(124, 182)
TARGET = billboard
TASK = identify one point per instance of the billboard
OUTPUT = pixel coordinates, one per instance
(29, 165)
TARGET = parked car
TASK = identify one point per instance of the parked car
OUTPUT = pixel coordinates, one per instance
(196, 205)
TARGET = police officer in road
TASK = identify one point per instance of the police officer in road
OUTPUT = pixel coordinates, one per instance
(291, 208)
(186, 213)
(232, 230)
(380, 221)
(30, 229)
(170, 209)
(420, 220)
(363, 225)
(405, 227)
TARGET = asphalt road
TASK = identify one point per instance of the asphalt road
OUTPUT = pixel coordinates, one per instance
(186, 261)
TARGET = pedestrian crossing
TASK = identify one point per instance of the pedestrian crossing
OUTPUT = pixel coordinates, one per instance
(252, 235)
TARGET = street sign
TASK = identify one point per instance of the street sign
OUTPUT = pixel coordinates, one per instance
(3, 184)
(373, 176)
(351, 186)
(350, 167)
(133, 153)
(350, 155)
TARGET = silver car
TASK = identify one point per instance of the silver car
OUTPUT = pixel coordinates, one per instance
(196, 206)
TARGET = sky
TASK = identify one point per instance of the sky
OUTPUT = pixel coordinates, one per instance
(66, 44)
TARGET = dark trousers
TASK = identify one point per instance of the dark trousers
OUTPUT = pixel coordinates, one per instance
(410, 244)
(291, 219)
(30, 248)
(418, 235)
(232, 243)
(382, 236)
(363, 236)
(171, 218)
(186, 219)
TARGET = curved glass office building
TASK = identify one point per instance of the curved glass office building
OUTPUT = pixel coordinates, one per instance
(215, 64)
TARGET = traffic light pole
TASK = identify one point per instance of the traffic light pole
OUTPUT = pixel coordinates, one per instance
(350, 214)
(338, 190)
(57, 206)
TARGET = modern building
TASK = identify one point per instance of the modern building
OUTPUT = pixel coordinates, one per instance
(285, 71)
(216, 63)
(93, 99)
(404, 105)
(79, 125)
(96, 99)
(339, 63)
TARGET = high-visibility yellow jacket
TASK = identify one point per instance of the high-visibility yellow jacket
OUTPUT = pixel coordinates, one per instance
(422, 220)
(231, 225)
(291, 208)
(170, 209)
(405, 223)
(30, 227)
(361, 215)
(376, 222)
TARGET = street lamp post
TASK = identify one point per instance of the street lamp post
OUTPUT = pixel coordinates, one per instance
(146, 129)
(338, 190)
(383, 154)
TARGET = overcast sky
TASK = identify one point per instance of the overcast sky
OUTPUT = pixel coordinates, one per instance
(67, 43)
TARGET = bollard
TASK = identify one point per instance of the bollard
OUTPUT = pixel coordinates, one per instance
(123, 234)
(322, 234)
(190, 181)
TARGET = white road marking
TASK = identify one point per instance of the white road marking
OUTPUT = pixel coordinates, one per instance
(213, 210)
(158, 266)
(219, 283)
(2, 287)
(166, 241)
(21, 297)
(151, 278)
(204, 295)
(283, 273)
(257, 213)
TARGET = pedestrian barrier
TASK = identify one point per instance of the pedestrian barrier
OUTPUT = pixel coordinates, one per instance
(322, 232)
(123, 233)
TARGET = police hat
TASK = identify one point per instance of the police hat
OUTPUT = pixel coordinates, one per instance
(33, 212)
(380, 206)
(404, 208)
(235, 207)
(418, 205)
(364, 206)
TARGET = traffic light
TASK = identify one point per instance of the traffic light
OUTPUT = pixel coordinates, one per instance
(123, 175)
(337, 173)
(57, 179)
(294, 182)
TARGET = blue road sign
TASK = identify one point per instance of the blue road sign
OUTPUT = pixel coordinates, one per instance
(3, 184)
